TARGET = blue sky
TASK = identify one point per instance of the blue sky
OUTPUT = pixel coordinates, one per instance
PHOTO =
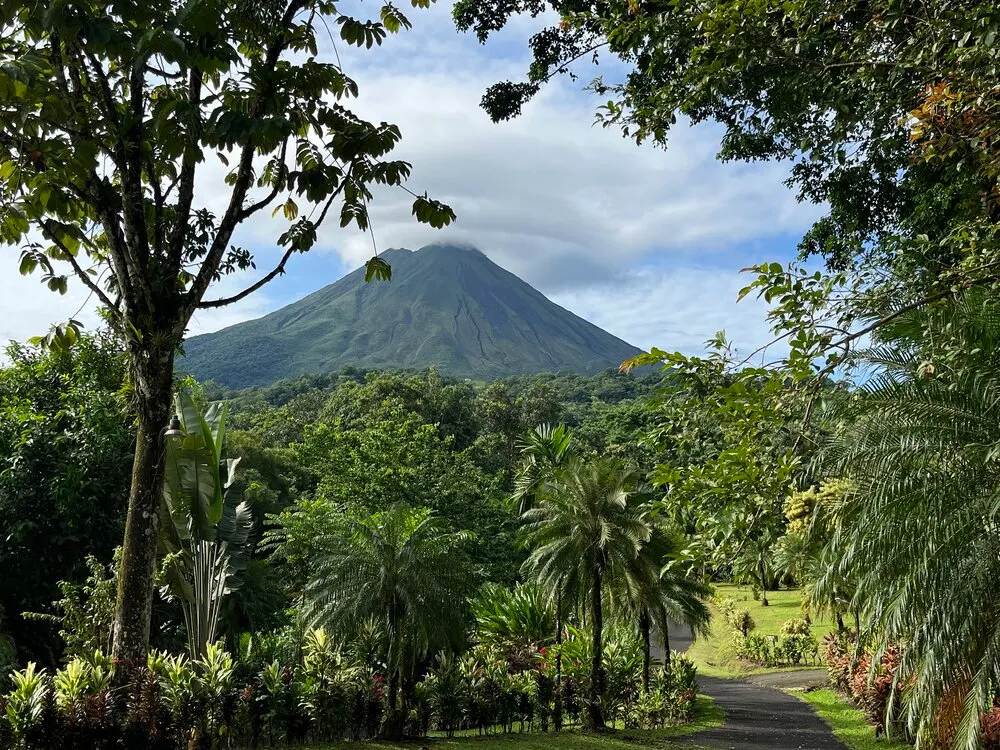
(644, 242)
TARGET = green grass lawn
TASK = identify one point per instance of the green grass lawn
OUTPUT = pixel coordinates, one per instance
(848, 723)
(708, 715)
(714, 654)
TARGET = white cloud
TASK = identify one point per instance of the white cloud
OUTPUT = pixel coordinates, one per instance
(28, 308)
(558, 201)
(675, 310)
(550, 190)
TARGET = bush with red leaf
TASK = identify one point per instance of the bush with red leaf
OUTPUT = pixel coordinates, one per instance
(989, 723)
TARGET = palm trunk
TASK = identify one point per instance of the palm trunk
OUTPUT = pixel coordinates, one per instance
(393, 728)
(763, 583)
(840, 622)
(153, 383)
(666, 645)
(557, 709)
(595, 711)
(644, 631)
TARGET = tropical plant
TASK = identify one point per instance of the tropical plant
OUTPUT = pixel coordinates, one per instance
(204, 535)
(401, 568)
(584, 528)
(447, 691)
(86, 611)
(918, 536)
(65, 448)
(25, 704)
(543, 452)
(658, 589)
(521, 618)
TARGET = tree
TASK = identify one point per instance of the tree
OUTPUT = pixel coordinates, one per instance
(403, 569)
(884, 111)
(583, 529)
(108, 118)
(917, 533)
(657, 588)
(544, 451)
(394, 457)
(65, 446)
(725, 434)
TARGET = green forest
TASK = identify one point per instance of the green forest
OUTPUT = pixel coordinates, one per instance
(382, 556)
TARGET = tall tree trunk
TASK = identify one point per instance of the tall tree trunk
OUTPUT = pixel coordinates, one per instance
(557, 709)
(152, 378)
(763, 583)
(393, 726)
(840, 622)
(666, 644)
(594, 710)
(644, 631)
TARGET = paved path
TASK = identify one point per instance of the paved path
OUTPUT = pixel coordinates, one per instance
(757, 717)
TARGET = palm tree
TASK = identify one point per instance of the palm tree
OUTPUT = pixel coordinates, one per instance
(657, 589)
(583, 528)
(544, 451)
(402, 569)
(919, 537)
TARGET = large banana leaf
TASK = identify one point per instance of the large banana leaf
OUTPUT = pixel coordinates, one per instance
(204, 534)
(195, 485)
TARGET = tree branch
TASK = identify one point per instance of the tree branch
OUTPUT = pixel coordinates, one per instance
(278, 184)
(77, 268)
(278, 270)
(243, 173)
(185, 180)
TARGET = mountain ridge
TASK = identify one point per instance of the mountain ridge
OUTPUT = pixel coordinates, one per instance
(447, 306)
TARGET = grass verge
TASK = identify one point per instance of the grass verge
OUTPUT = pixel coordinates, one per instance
(708, 715)
(848, 723)
(713, 654)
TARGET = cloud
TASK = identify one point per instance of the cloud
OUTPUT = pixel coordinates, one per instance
(553, 197)
(583, 214)
(673, 309)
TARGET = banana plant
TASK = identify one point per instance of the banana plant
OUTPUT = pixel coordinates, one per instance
(204, 533)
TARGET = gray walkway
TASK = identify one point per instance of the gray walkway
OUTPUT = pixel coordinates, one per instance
(757, 717)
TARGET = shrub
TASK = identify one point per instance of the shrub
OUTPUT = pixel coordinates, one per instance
(838, 653)
(447, 692)
(742, 620)
(989, 725)
(25, 707)
(795, 626)
(671, 698)
(872, 685)
(793, 649)
(758, 648)
(218, 701)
